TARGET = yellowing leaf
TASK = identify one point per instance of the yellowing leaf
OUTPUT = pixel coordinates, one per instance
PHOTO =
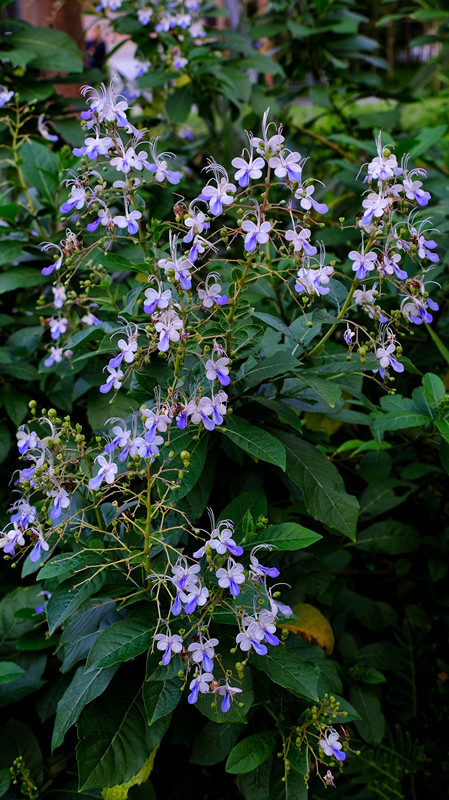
(121, 792)
(182, 81)
(318, 422)
(313, 626)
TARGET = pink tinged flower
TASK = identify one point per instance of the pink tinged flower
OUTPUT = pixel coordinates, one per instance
(169, 643)
(107, 472)
(301, 241)
(306, 201)
(227, 692)
(231, 576)
(363, 262)
(382, 168)
(219, 195)
(256, 233)
(156, 298)
(331, 746)
(218, 369)
(168, 325)
(114, 379)
(90, 319)
(348, 335)
(199, 684)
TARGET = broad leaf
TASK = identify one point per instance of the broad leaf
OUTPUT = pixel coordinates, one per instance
(214, 742)
(255, 441)
(123, 640)
(322, 486)
(250, 753)
(287, 670)
(114, 740)
(285, 536)
(84, 688)
(161, 697)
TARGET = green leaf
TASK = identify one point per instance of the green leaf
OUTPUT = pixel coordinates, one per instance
(114, 739)
(389, 536)
(398, 420)
(38, 164)
(293, 787)
(261, 63)
(214, 742)
(285, 536)
(255, 785)
(12, 626)
(19, 278)
(161, 697)
(15, 404)
(179, 103)
(280, 364)
(84, 688)
(250, 753)
(66, 598)
(53, 50)
(9, 671)
(287, 670)
(5, 442)
(372, 725)
(322, 486)
(434, 389)
(330, 392)
(255, 441)
(5, 780)
(17, 739)
(123, 640)
(11, 250)
(443, 427)
(30, 681)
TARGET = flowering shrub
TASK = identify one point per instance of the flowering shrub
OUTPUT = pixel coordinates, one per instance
(214, 332)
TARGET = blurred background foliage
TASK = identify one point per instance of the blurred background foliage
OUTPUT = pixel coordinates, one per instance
(334, 72)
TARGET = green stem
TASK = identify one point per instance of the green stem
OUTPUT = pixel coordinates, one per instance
(340, 316)
(147, 544)
(230, 317)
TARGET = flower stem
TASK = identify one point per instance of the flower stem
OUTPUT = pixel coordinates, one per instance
(340, 316)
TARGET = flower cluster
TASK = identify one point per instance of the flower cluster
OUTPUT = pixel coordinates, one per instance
(194, 583)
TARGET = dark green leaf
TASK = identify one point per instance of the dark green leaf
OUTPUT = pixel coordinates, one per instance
(9, 671)
(52, 49)
(214, 742)
(84, 688)
(287, 670)
(67, 598)
(123, 640)
(255, 441)
(286, 536)
(161, 697)
(323, 488)
(250, 753)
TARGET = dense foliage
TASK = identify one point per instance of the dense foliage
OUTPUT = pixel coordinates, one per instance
(239, 330)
